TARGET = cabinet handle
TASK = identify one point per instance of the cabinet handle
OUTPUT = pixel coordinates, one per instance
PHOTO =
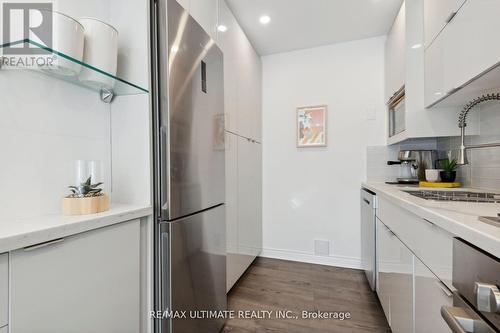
(451, 319)
(452, 91)
(444, 289)
(367, 202)
(451, 17)
(429, 222)
(41, 245)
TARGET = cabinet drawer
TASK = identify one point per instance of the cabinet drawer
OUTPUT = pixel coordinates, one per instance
(4, 289)
(4, 329)
(89, 282)
(430, 296)
(431, 244)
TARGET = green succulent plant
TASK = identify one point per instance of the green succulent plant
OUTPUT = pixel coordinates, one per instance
(86, 189)
(449, 165)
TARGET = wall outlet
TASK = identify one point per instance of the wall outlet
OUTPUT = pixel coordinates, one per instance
(321, 247)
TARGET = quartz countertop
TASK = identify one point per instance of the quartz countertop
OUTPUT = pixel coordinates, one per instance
(458, 218)
(22, 232)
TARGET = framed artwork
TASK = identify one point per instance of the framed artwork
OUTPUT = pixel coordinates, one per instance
(311, 126)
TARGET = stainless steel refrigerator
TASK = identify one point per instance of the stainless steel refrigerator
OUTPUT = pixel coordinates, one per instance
(189, 177)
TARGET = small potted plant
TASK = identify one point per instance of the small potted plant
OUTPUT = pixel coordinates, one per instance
(86, 198)
(449, 173)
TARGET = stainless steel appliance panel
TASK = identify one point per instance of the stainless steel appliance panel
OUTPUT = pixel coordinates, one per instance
(368, 235)
(191, 104)
(476, 275)
(195, 268)
(461, 318)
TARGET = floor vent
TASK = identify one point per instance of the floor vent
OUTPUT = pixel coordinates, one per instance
(321, 247)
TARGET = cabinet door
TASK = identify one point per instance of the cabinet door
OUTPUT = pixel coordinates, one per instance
(395, 55)
(86, 283)
(233, 267)
(395, 288)
(4, 289)
(4, 329)
(249, 217)
(249, 90)
(469, 38)
(437, 14)
(463, 50)
(228, 42)
(430, 295)
(205, 13)
(184, 3)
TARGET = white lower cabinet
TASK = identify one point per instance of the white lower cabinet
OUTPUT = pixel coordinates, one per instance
(244, 205)
(4, 289)
(84, 283)
(4, 329)
(395, 276)
(414, 264)
(430, 295)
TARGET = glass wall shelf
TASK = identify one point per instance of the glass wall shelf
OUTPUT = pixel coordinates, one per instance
(68, 69)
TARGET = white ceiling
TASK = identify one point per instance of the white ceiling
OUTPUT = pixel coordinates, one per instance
(300, 24)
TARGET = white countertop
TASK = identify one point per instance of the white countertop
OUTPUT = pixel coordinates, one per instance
(19, 233)
(458, 218)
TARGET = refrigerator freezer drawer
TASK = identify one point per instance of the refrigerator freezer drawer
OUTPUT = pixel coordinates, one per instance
(196, 268)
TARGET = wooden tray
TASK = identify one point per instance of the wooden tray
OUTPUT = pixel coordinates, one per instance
(440, 184)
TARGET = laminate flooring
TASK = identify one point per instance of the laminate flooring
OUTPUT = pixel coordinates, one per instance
(277, 285)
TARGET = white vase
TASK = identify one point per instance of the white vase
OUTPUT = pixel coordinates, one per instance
(68, 38)
(101, 52)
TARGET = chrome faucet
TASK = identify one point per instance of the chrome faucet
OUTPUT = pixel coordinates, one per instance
(462, 123)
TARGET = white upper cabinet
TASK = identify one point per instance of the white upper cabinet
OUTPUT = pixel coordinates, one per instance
(395, 55)
(461, 53)
(184, 3)
(437, 14)
(242, 77)
(4, 288)
(205, 13)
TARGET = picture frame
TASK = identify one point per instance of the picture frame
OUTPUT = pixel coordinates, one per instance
(312, 126)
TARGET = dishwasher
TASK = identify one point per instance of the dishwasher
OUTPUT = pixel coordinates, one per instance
(368, 235)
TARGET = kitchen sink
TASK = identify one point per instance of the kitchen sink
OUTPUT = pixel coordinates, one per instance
(459, 196)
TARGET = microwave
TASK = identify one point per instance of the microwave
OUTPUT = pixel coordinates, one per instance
(397, 112)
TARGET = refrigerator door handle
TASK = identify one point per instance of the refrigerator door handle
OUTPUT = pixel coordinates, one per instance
(165, 277)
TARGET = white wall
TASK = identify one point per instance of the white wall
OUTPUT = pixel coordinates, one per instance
(47, 124)
(313, 193)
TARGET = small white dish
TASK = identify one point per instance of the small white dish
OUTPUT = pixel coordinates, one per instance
(432, 175)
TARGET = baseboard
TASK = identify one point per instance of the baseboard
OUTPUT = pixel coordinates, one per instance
(337, 261)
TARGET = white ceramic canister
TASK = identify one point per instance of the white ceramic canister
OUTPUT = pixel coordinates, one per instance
(432, 175)
(100, 51)
(68, 39)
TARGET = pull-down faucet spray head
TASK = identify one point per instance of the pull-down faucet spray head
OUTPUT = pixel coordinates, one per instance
(462, 123)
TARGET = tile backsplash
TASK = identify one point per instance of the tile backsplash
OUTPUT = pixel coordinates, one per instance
(377, 157)
(483, 170)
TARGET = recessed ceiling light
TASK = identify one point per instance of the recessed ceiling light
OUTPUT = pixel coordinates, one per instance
(222, 28)
(416, 46)
(264, 19)
(174, 49)
(438, 93)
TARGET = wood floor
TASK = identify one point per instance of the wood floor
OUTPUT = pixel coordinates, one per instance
(272, 285)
